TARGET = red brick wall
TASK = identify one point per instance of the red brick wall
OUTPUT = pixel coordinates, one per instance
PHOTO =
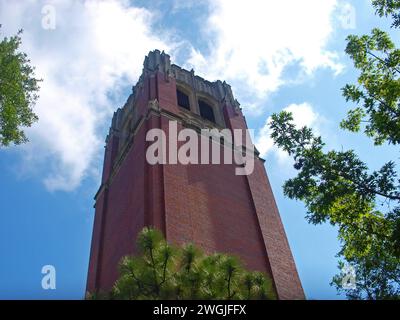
(283, 268)
(212, 207)
(91, 284)
(120, 218)
(205, 204)
(284, 272)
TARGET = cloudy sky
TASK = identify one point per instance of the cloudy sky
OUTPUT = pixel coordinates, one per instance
(285, 54)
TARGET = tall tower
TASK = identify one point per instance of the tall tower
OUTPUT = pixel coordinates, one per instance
(207, 204)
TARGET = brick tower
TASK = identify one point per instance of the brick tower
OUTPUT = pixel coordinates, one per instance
(207, 204)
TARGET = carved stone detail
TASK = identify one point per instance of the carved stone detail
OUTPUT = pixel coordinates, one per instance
(154, 105)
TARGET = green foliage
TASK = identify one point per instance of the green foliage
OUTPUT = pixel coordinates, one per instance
(337, 187)
(18, 92)
(378, 90)
(386, 8)
(376, 277)
(163, 271)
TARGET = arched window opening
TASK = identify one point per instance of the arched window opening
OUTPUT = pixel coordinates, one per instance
(206, 111)
(183, 99)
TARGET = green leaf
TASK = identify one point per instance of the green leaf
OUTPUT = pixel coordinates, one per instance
(18, 92)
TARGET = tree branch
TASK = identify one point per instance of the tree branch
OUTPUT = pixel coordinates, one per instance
(383, 61)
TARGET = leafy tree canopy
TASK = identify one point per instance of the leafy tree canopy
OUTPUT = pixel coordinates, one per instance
(18, 92)
(377, 93)
(163, 271)
(386, 8)
(337, 186)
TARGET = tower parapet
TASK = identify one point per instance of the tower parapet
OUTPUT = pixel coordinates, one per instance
(218, 93)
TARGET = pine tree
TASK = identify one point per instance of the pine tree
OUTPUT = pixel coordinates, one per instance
(164, 271)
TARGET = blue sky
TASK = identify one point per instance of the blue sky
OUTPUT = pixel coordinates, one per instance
(277, 55)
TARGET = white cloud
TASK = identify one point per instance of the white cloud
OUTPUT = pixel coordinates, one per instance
(96, 50)
(303, 115)
(253, 42)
